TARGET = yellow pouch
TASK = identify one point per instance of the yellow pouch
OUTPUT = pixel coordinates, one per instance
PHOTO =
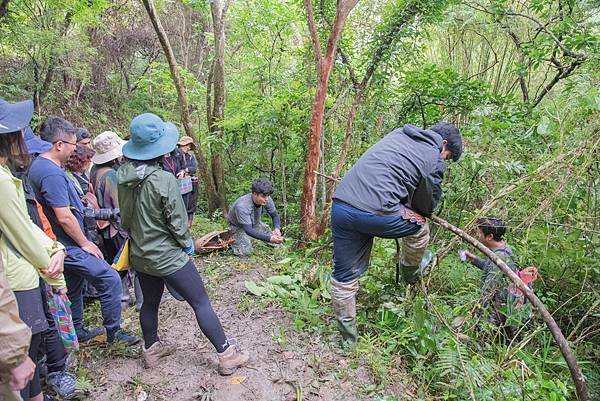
(121, 262)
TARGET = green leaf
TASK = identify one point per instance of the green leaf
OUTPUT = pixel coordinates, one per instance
(254, 288)
(543, 125)
(285, 280)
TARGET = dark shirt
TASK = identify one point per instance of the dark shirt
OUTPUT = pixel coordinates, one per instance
(403, 168)
(187, 161)
(494, 285)
(29, 198)
(171, 163)
(53, 188)
(244, 213)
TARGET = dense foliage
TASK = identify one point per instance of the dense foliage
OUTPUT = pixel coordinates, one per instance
(520, 79)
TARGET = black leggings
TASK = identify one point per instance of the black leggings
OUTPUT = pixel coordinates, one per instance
(187, 282)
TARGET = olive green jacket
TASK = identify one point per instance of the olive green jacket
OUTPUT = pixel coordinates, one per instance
(154, 215)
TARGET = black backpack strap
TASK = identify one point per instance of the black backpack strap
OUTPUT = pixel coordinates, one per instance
(397, 261)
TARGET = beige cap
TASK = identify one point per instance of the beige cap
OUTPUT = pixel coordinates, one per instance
(108, 146)
(186, 140)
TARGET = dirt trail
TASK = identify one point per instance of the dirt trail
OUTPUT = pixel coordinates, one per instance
(285, 364)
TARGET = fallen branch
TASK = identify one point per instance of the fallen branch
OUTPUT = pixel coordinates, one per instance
(330, 178)
(563, 345)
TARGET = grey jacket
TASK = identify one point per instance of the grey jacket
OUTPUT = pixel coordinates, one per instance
(404, 168)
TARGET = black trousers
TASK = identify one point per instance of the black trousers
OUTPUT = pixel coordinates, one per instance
(188, 283)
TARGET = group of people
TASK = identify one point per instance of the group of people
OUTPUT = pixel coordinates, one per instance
(63, 224)
(72, 203)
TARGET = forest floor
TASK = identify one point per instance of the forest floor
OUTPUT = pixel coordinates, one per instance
(286, 363)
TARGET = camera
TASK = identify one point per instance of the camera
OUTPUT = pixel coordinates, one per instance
(112, 215)
(90, 215)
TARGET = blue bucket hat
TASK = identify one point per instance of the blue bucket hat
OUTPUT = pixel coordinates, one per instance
(15, 116)
(35, 144)
(150, 137)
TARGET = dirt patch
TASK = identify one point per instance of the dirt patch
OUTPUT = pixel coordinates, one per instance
(285, 364)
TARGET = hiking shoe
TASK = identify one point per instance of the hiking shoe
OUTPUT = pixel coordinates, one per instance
(231, 359)
(152, 356)
(94, 334)
(62, 383)
(122, 336)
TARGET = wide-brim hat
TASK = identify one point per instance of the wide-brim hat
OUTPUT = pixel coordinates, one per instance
(35, 144)
(186, 140)
(108, 146)
(150, 137)
(15, 116)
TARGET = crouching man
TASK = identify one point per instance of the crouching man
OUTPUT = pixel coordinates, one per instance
(386, 194)
(244, 218)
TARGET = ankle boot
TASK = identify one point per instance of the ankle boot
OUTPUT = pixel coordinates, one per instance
(231, 359)
(157, 351)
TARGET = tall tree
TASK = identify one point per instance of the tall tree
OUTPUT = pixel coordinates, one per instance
(216, 103)
(551, 36)
(392, 30)
(182, 99)
(324, 65)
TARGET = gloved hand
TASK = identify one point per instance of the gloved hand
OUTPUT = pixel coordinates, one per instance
(189, 250)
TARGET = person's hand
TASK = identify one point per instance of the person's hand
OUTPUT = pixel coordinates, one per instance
(277, 232)
(62, 292)
(276, 239)
(92, 249)
(470, 256)
(22, 374)
(181, 174)
(56, 265)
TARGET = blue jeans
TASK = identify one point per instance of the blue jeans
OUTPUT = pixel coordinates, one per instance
(353, 232)
(80, 266)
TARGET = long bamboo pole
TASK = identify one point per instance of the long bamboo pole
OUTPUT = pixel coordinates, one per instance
(563, 345)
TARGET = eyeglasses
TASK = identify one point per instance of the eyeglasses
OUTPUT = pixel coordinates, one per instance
(70, 143)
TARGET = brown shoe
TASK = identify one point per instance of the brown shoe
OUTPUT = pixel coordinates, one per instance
(153, 355)
(231, 359)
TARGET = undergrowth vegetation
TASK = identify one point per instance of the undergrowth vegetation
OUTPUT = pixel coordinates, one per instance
(519, 78)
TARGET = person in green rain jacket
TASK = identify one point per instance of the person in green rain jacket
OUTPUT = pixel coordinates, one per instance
(160, 239)
(160, 244)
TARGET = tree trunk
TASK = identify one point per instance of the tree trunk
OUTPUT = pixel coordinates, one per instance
(341, 161)
(218, 10)
(182, 100)
(403, 16)
(324, 64)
